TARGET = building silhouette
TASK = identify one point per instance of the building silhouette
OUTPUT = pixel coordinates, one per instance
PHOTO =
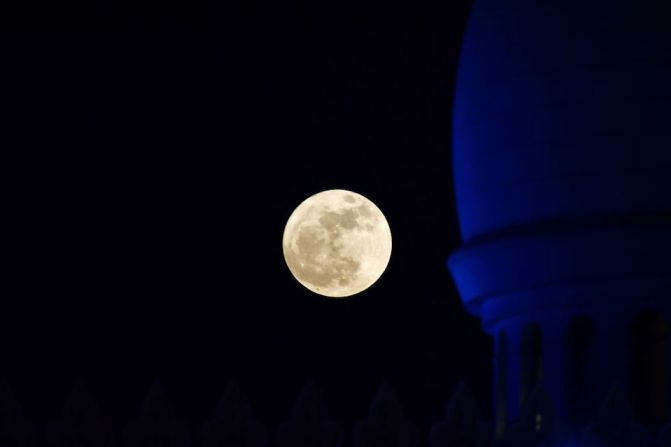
(562, 170)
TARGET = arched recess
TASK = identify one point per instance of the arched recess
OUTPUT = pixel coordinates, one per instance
(649, 367)
(501, 382)
(581, 370)
(531, 360)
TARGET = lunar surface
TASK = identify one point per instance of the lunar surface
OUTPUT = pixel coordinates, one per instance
(337, 243)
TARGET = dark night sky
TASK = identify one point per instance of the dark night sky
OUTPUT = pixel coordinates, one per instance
(147, 182)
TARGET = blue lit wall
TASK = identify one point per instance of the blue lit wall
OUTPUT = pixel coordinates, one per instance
(562, 168)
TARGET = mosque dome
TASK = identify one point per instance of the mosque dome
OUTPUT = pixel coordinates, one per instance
(562, 149)
(562, 169)
(562, 111)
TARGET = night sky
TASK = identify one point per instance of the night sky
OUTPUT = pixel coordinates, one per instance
(147, 178)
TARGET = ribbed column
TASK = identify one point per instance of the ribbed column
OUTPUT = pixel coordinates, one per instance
(500, 383)
(513, 361)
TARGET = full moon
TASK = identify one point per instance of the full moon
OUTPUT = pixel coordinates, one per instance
(337, 243)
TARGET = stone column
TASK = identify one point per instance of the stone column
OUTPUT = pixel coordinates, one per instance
(514, 333)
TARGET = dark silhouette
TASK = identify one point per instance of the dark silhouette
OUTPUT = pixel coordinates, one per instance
(614, 425)
(156, 424)
(537, 426)
(309, 424)
(386, 424)
(233, 424)
(15, 430)
(80, 424)
(462, 426)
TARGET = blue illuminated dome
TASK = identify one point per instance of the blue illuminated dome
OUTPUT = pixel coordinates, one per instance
(562, 170)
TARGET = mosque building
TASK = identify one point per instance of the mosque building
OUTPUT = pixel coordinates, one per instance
(562, 169)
